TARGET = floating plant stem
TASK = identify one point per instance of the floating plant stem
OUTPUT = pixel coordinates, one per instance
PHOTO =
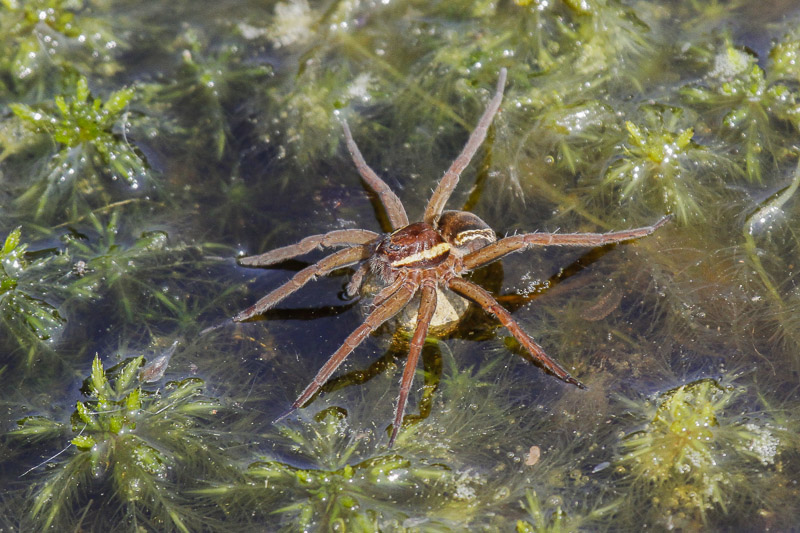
(762, 216)
(400, 77)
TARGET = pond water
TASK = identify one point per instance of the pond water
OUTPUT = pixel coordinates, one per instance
(144, 147)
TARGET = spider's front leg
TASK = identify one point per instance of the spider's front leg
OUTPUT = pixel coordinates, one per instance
(394, 207)
(340, 237)
(324, 266)
(488, 303)
(516, 243)
(450, 179)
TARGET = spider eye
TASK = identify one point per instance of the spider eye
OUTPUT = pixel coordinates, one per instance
(393, 247)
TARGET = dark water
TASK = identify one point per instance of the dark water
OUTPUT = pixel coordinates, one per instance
(144, 146)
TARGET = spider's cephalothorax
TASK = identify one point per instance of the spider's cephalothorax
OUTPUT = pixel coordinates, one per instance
(417, 261)
(417, 245)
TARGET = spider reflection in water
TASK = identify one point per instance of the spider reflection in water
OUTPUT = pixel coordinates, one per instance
(420, 258)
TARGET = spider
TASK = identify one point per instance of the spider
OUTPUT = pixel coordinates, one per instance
(418, 259)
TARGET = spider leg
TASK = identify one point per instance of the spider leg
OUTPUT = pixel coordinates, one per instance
(387, 291)
(476, 138)
(356, 280)
(324, 266)
(427, 306)
(378, 316)
(341, 237)
(516, 243)
(490, 305)
(394, 208)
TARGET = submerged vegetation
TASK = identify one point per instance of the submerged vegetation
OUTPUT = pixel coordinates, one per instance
(695, 455)
(90, 148)
(143, 148)
(26, 316)
(138, 442)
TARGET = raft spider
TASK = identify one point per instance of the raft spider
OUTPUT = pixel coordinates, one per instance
(419, 257)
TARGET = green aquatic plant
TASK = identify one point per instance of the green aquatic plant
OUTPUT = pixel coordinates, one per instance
(332, 480)
(322, 472)
(105, 266)
(131, 446)
(539, 521)
(695, 455)
(575, 137)
(24, 312)
(137, 276)
(660, 163)
(746, 104)
(208, 87)
(36, 34)
(767, 217)
(549, 516)
(334, 493)
(90, 151)
(784, 58)
(307, 116)
(347, 58)
(587, 37)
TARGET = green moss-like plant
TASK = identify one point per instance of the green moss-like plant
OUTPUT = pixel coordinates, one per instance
(35, 35)
(550, 517)
(690, 458)
(207, 89)
(750, 103)
(135, 276)
(130, 446)
(661, 165)
(784, 59)
(90, 150)
(337, 487)
(29, 319)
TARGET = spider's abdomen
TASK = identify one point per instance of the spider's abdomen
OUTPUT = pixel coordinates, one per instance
(417, 245)
(465, 231)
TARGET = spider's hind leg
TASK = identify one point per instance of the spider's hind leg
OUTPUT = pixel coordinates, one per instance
(390, 307)
(490, 305)
(427, 307)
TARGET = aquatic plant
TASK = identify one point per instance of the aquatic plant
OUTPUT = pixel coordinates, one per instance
(323, 472)
(131, 446)
(24, 312)
(695, 455)
(550, 516)
(137, 276)
(587, 37)
(784, 58)
(744, 102)
(35, 35)
(572, 138)
(206, 90)
(661, 165)
(89, 150)
(348, 59)
(715, 295)
(342, 482)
